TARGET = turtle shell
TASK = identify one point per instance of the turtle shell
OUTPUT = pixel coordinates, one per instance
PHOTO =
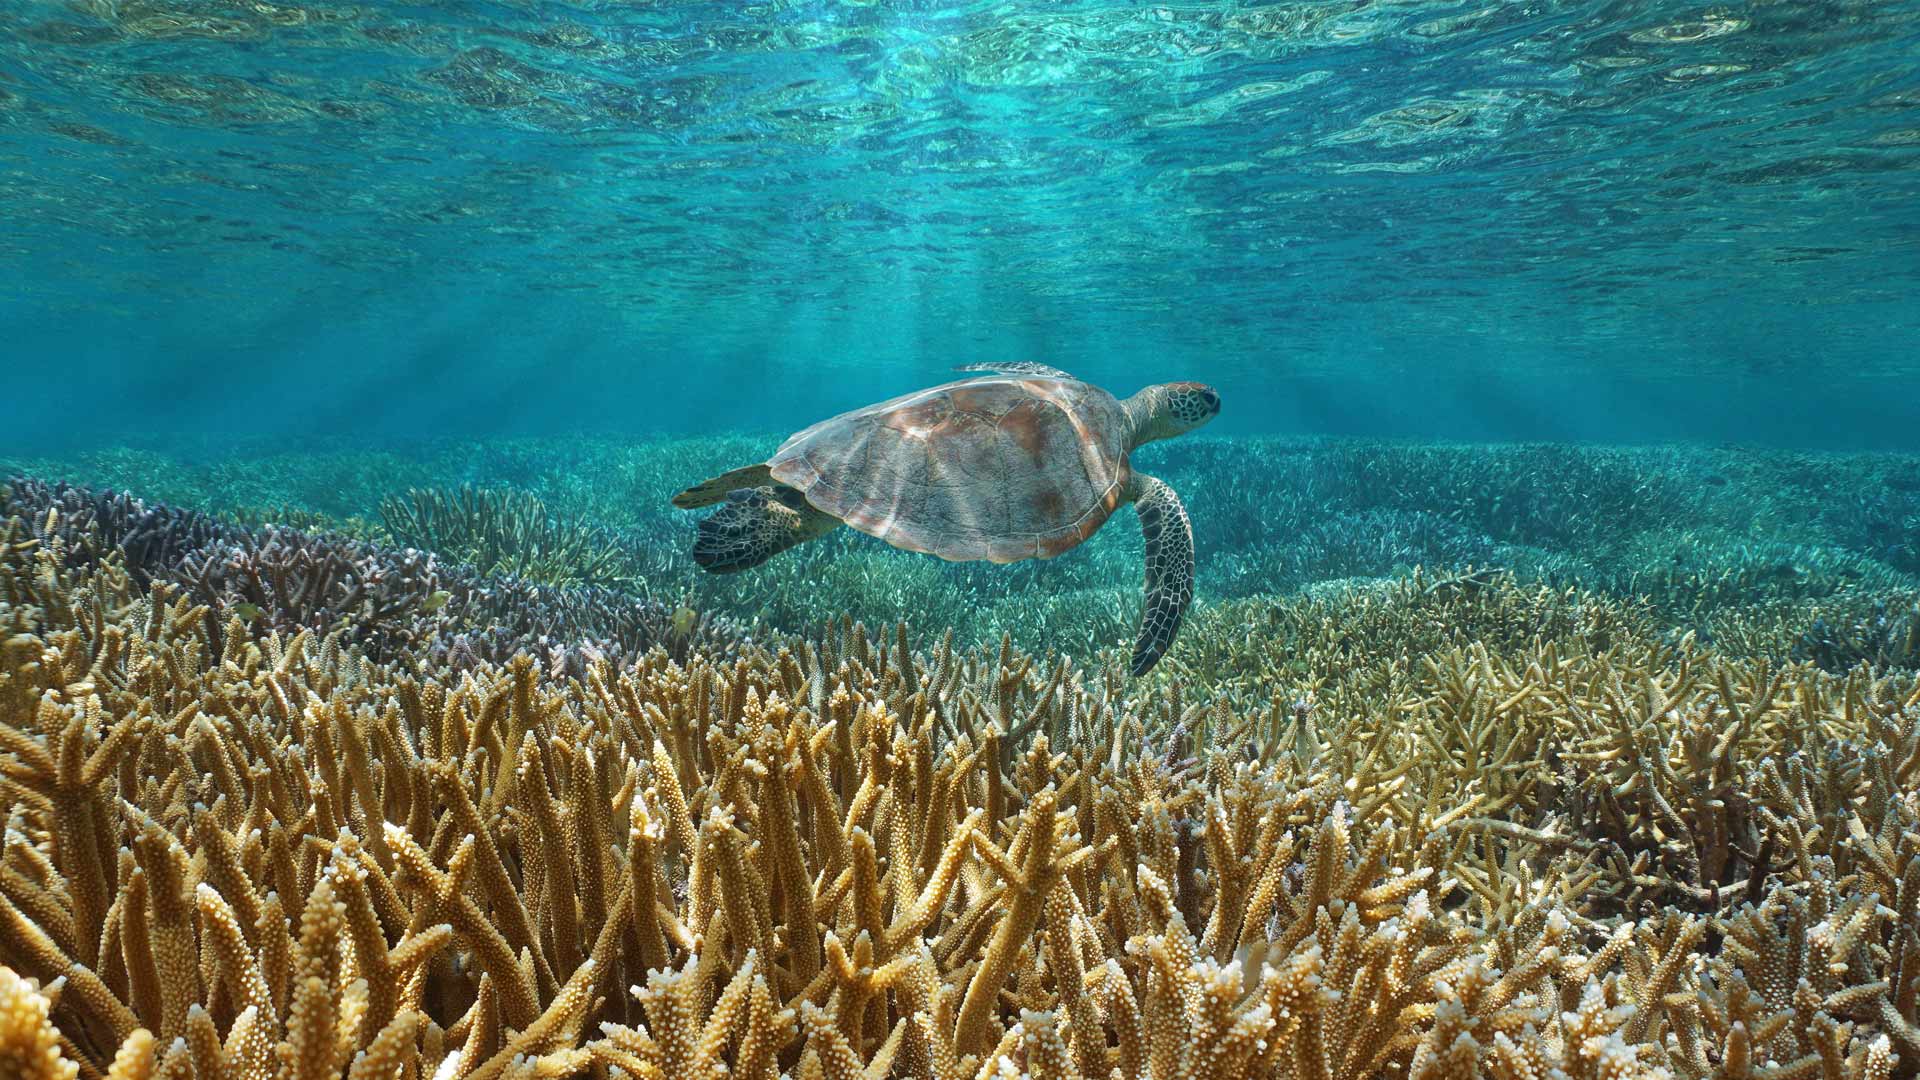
(999, 468)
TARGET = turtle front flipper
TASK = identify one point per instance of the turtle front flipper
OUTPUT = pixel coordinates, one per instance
(754, 525)
(708, 492)
(1018, 367)
(1169, 535)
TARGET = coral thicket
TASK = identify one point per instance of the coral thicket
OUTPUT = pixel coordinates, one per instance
(386, 600)
(504, 532)
(268, 818)
(1758, 553)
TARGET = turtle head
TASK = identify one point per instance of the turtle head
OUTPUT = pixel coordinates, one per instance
(1187, 405)
(1169, 409)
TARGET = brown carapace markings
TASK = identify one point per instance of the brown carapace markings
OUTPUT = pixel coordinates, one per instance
(1026, 425)
(990, 468)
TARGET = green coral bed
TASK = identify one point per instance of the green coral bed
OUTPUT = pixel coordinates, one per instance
(1796, 556)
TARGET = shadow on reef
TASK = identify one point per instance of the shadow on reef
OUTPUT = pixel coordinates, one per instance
(1438, 827)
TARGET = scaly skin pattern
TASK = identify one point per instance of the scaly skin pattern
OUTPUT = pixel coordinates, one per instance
(1169, 409)
(1169, 536)
(754, 525)
(709, 492)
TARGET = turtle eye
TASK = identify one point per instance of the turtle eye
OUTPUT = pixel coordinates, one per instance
(1212, 399)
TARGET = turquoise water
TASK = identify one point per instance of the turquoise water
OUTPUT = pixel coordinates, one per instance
(417, 658)
(1645, 221)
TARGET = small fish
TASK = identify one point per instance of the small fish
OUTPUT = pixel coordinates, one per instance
(247, 612)
(684, 621)
(436, 600)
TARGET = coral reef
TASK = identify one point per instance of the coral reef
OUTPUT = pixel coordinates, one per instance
(1358, 638)
(504, 532)
(387, 601)
(300, 518)
(1880, 631)
(1452, 826)
(1709, 535)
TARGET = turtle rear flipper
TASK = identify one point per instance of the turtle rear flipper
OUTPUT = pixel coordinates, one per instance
(709, 492)
(1169, 536)
(755, 524)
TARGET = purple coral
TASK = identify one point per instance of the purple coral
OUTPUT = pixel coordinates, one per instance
(390, 601)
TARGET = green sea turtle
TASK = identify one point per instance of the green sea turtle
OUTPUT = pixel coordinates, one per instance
(1022, 464)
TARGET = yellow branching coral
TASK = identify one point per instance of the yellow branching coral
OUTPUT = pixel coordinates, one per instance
(29, 1045)
(249, 856)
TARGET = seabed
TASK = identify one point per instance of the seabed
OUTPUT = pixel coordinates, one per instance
(1470, 761)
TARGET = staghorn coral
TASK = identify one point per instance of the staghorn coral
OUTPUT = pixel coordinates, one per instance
(505, 532)
(1746, 547)
(1516, 832)
(1881, 631)
(303, 520)
(386, 600)
(30, 1047)
(1359, 636)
